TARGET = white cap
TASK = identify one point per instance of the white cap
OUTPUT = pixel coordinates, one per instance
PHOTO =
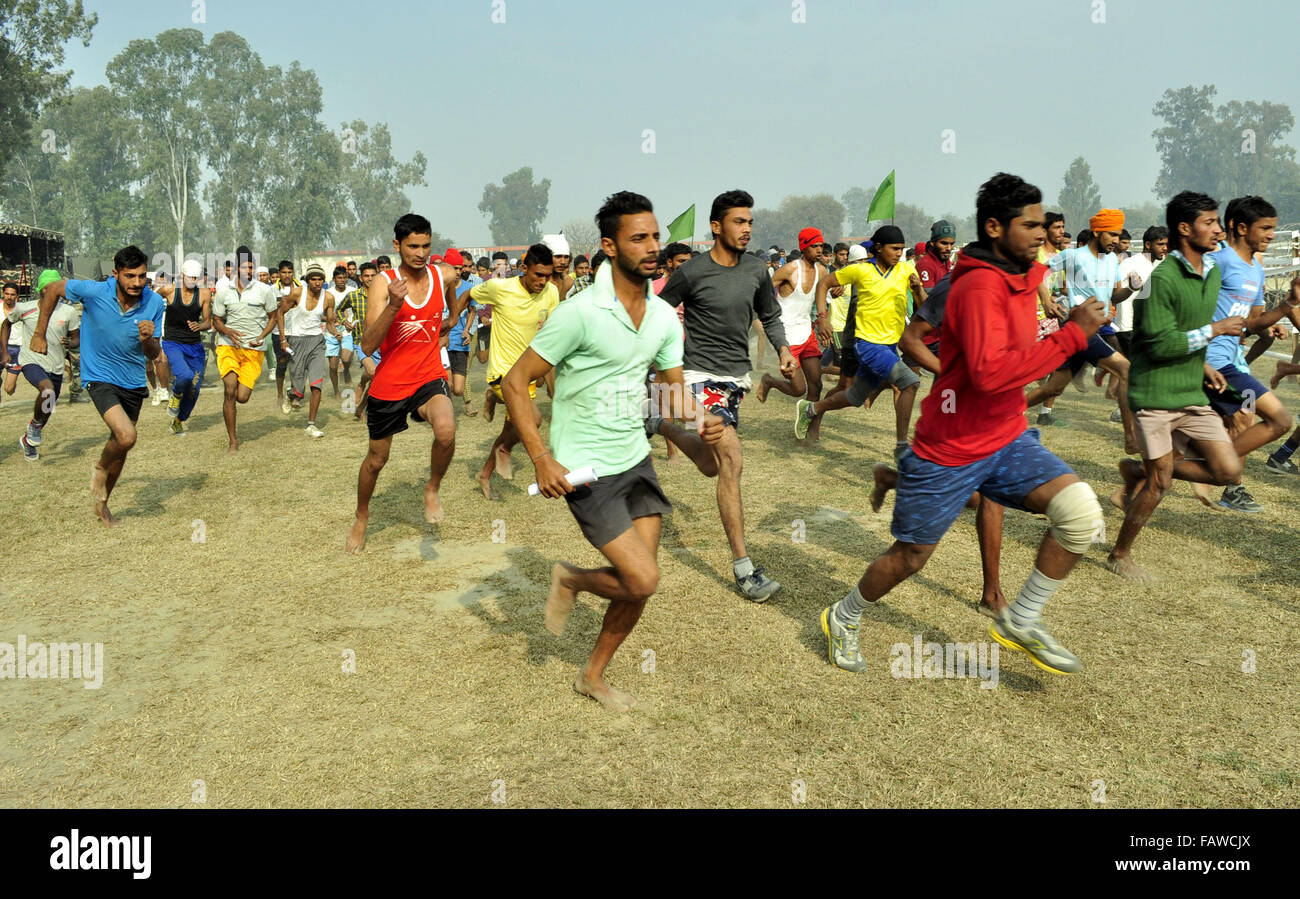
(263, 270)
(514, 261)
(556, 243)
(857, 253)
(192, 268)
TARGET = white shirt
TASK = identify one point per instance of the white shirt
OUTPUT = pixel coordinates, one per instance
(1142, 264)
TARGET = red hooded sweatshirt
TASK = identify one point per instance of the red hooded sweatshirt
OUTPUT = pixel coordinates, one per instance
(988, 351)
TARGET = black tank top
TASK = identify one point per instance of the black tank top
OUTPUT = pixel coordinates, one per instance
(178, 313)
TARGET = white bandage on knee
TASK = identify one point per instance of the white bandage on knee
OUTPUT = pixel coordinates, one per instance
(1075, 516)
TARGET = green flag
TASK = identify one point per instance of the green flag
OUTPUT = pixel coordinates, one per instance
(683, 227)
(882, 204)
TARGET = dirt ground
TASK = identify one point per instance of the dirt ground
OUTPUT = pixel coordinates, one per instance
(250, 663)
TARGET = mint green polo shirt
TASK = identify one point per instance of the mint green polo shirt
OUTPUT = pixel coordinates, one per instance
(601, 362)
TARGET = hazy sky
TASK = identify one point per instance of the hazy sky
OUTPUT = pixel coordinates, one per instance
(739, 95)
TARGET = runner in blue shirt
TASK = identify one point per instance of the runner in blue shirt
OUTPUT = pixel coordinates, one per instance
(121, 322)
(1251, 223)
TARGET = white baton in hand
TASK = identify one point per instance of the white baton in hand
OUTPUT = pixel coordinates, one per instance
(575, 478)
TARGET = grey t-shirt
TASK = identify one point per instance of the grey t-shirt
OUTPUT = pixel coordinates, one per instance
(246, 313)
(63, 321)
(720, 304)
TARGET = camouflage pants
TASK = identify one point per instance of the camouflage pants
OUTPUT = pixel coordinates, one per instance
(72, 374)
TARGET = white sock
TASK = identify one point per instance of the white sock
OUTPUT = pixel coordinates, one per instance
(849, 609)
(1028, 607)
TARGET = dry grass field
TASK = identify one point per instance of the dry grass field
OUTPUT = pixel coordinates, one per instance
(225, 658)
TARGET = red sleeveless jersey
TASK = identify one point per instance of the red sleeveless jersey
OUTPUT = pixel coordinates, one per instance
(410, 355)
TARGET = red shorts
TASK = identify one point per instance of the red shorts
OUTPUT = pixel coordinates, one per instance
(808, 349)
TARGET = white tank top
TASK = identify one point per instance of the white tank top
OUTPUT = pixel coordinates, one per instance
(796, 309)
(303, 322)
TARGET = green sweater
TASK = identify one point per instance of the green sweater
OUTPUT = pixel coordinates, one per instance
(1170, 332)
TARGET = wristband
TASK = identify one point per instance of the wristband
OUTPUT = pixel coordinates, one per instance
(535, 458)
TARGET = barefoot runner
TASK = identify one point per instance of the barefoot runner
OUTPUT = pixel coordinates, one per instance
(406, 318)
(796, 289)
(600, 343)
(120, 323)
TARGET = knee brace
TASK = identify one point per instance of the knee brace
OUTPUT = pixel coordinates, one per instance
(1075, 516)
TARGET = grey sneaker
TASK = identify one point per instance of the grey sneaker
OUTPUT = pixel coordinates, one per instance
(1116, 416)
(757, 586)
(33, 434)
(841, 642)
(803, 416)
(1287, 467)
(1036, 641)
(1046, 419)
(30, 453)
(1237, 499)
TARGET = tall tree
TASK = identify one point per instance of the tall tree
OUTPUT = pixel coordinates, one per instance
(857, 206)
(1187, 143)
(374, 185)
(32, 35)
(161, 82)
(1080, 196)
(516, 207)
(584, 237)
(781, 226)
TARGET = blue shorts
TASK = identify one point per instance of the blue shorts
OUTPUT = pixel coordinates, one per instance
(35, 374)
(931, 496)
(11, 357)
(334, 344)
(1242, 390)
(720, 398)
(875, 361)
(1096, 350)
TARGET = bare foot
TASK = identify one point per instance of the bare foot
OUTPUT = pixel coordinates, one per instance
(991, 605)
(101, 511)
(1126, 567)
(470, 411)
(763, 388)
(1277, 377)
(432, 505)
(485, 484)
(233, 447)
(504, 468)
(613, 700)
(489, 405)
(560, 601)
(356, 536)
(98, 485)
(886, 480)
(1205, 494)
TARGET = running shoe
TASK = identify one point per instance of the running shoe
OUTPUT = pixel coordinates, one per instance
(161, 395)
(1037, 642)
(33, 433)
(803, 417)
(841, 642)
(757, 586)
(313, 431)
(1116, 416)
(285, 407)
(1046, 419)
(1236, 499)
(174, 406)
(178, 427)
(30, 453)
(1287, 467)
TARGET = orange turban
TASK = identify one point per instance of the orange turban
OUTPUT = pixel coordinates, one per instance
(1107, 220)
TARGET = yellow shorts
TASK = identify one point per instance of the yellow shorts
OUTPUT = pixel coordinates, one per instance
(495, 384)
(246, 364)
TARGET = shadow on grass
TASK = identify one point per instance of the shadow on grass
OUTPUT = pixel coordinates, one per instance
(150, 498)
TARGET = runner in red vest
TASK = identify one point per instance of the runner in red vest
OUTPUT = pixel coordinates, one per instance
(405, 321)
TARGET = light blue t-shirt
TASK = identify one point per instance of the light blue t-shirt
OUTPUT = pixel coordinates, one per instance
(1243, 287)
(111, 351)
(1087, 276)
(455, 338)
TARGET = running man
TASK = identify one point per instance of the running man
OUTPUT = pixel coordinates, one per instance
(244, 312)
(354, 307)
(338, 339)
(42, 371)
(119, 320)
(600, 344)
(284, 284)
(724, 291)
(307, 316)
(882, 286)
(14, 346)
(972, 435)
(1251, 223)
(407, 314)
(1171, 329)
(796, 289)
(189, 313)
(519, 306)
(461, 337)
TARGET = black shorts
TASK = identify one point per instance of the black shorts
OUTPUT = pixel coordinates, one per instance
(1096, 350)
(1241, 394)
(385, 418)
(484, 338)
(105, 396)
(281, 357)
(1125, 339)
(606, 508)
(848, 356)
(459, 360)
